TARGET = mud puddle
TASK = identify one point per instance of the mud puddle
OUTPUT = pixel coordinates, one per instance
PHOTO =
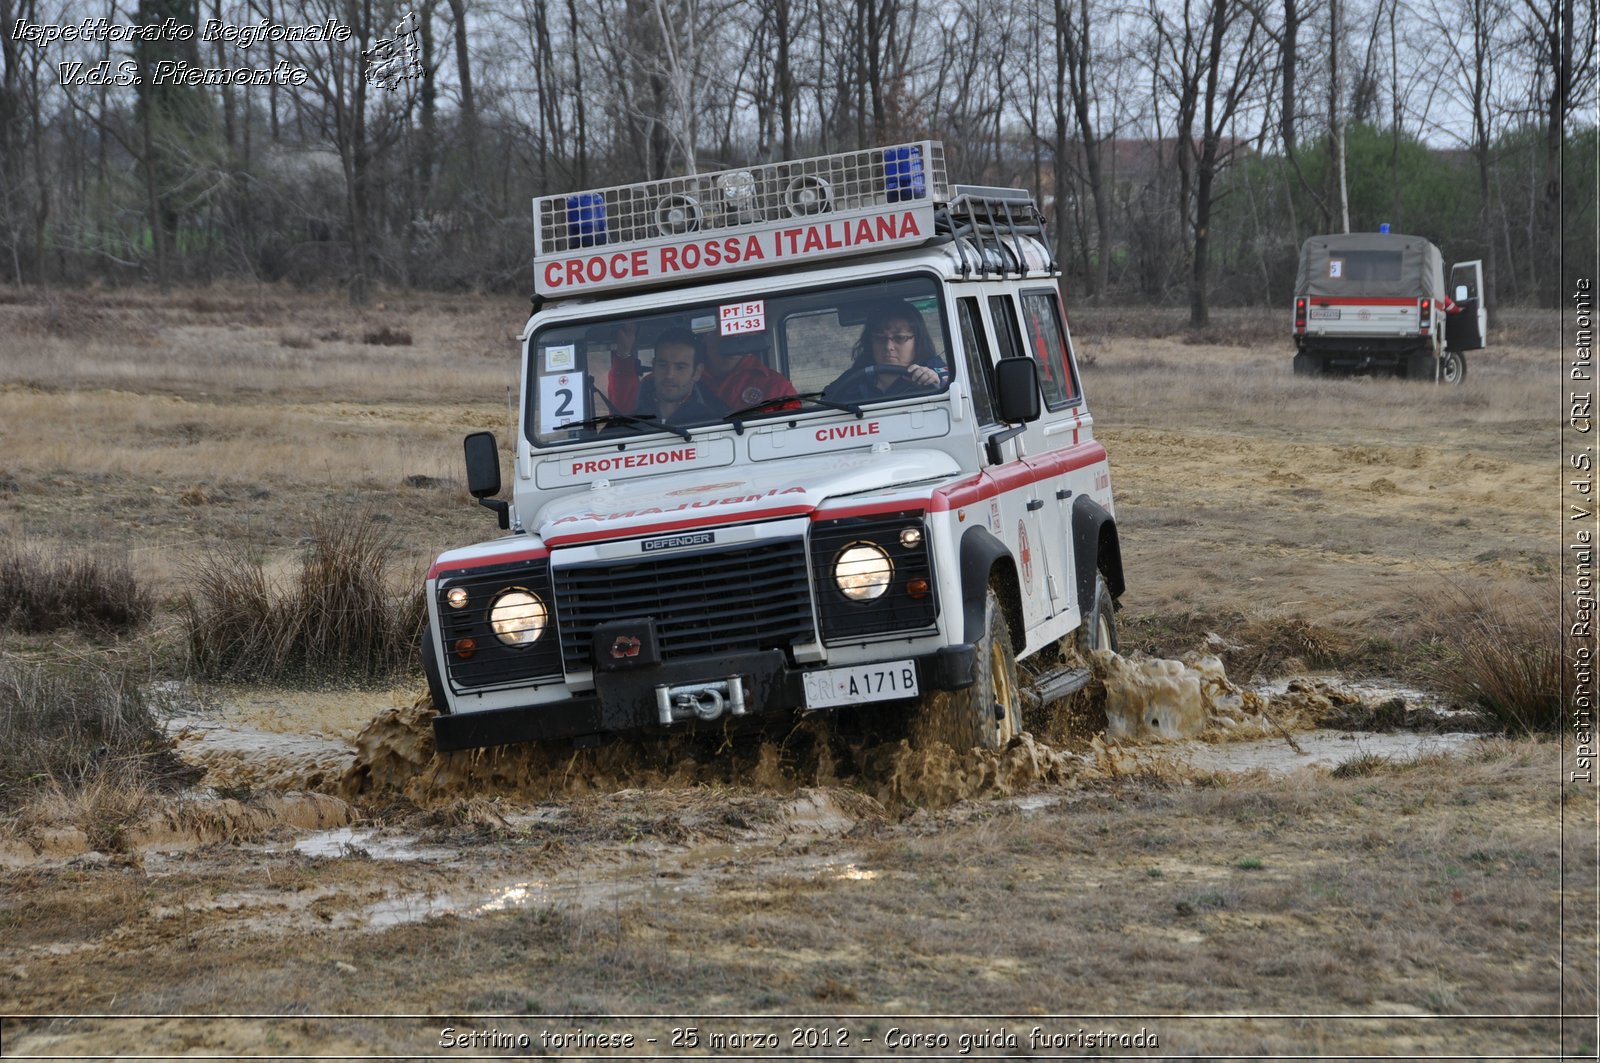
(370, 844)
(1176, 717)
(1314, 749)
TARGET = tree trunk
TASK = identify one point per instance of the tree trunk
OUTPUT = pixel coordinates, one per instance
(469, 108)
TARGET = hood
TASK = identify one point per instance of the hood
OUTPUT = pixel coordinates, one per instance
(708, 497)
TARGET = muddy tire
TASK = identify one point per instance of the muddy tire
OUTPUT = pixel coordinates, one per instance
(988, 714)
(1099, 628)
(1453, 369)
(430, 669)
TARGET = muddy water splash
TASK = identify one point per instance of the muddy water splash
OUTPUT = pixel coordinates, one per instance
(1143, 700)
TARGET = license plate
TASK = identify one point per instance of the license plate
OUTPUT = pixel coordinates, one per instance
(833, 688)
(1325, 313)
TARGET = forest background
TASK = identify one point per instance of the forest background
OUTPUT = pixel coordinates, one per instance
(1183, 148)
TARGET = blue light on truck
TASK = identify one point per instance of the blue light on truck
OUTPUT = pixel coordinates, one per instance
(586, 219)
(902, 174)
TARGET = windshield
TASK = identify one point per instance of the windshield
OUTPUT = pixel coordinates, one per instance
(766, 354)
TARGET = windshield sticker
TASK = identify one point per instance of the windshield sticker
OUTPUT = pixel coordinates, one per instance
(561, 401)
(1335, 268)
(737, 318)
(561, 358)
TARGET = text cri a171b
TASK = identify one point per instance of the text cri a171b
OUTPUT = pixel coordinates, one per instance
(722, 251)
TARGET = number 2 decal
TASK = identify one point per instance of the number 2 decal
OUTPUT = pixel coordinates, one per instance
(560, 401)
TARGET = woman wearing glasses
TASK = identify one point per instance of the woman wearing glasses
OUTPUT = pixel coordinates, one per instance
(893, 357)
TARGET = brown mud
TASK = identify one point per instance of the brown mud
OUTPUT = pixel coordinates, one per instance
(1143, 700)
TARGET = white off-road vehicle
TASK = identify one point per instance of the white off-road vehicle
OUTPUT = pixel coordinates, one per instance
(794, 438)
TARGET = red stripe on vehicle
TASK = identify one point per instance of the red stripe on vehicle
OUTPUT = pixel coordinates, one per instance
(998, 479)
(873, 509)
(536, 554)
(673, 525)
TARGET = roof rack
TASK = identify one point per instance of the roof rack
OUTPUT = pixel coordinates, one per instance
(688, 229)
(749, 199)
(993, 221)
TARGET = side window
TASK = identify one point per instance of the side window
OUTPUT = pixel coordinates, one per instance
(1048, 344)
(1005, 326)
(980, 368)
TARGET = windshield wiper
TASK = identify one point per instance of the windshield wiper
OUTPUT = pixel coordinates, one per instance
(649, 420)
(779, 401)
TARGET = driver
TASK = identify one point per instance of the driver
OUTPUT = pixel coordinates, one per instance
(894, 335)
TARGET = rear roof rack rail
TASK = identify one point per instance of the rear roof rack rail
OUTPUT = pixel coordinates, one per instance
(993, 219)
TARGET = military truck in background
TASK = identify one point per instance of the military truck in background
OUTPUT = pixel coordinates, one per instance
(1377, 302)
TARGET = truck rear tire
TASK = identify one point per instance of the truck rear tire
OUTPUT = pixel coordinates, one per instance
(988, 714)
(1307, 364)
(1420, 365)
(1453, 368)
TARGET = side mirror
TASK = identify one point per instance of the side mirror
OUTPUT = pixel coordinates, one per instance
(1461, 293)
(483, 474)
(1017, 390)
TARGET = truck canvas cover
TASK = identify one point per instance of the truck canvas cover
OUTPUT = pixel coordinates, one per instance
(1370, 264)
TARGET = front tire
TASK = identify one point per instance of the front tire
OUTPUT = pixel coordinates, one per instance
(430, 671)
(988, 714)
(1099, 628)
(1453, 369)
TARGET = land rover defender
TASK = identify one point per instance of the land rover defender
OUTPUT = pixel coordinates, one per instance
(794, 437)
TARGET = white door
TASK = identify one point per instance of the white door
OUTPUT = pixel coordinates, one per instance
(1468, 329)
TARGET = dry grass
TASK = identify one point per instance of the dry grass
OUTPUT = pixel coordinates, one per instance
(80, 591)
(76, 728)
(337, 620)
(1502, 653)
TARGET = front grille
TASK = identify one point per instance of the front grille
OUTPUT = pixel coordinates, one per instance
(749, 598)
(491, 663)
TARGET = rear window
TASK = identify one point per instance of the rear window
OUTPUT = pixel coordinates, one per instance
(1360, 266)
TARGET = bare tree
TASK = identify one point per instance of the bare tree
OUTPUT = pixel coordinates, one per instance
(1208, 58)
(354, 117)
(1565, 75)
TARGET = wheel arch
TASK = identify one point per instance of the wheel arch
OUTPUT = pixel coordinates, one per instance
(984, 560)
(1095, 546)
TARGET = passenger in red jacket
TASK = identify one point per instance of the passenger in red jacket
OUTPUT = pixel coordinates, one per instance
(737, 376)
(740, 378)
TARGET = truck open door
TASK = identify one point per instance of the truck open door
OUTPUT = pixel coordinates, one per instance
(1467, 330)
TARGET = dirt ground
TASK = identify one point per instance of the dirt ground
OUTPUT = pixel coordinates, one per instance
(1278, 888)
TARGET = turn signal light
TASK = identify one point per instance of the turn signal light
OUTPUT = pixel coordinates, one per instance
(465, 648)
(917, 588)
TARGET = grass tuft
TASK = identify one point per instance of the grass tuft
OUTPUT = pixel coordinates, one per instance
(73, 728)
(387, 337)
(1503, 654)
(338, 619)
(82, 591)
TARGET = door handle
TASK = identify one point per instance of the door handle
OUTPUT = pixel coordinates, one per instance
(1035, 503)
(1064, 494)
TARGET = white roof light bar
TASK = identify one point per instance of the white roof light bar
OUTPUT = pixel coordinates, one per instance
(735, 220)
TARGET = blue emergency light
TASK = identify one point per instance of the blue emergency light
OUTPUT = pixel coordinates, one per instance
(586, 219)
(902, 174)
(1384, 228)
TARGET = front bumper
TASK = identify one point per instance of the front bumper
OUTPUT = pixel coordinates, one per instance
(627, 701)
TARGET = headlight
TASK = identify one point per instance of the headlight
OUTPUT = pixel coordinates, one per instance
(862, 572)
(518, 617)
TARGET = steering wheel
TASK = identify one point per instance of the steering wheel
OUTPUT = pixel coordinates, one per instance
(864, 372)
